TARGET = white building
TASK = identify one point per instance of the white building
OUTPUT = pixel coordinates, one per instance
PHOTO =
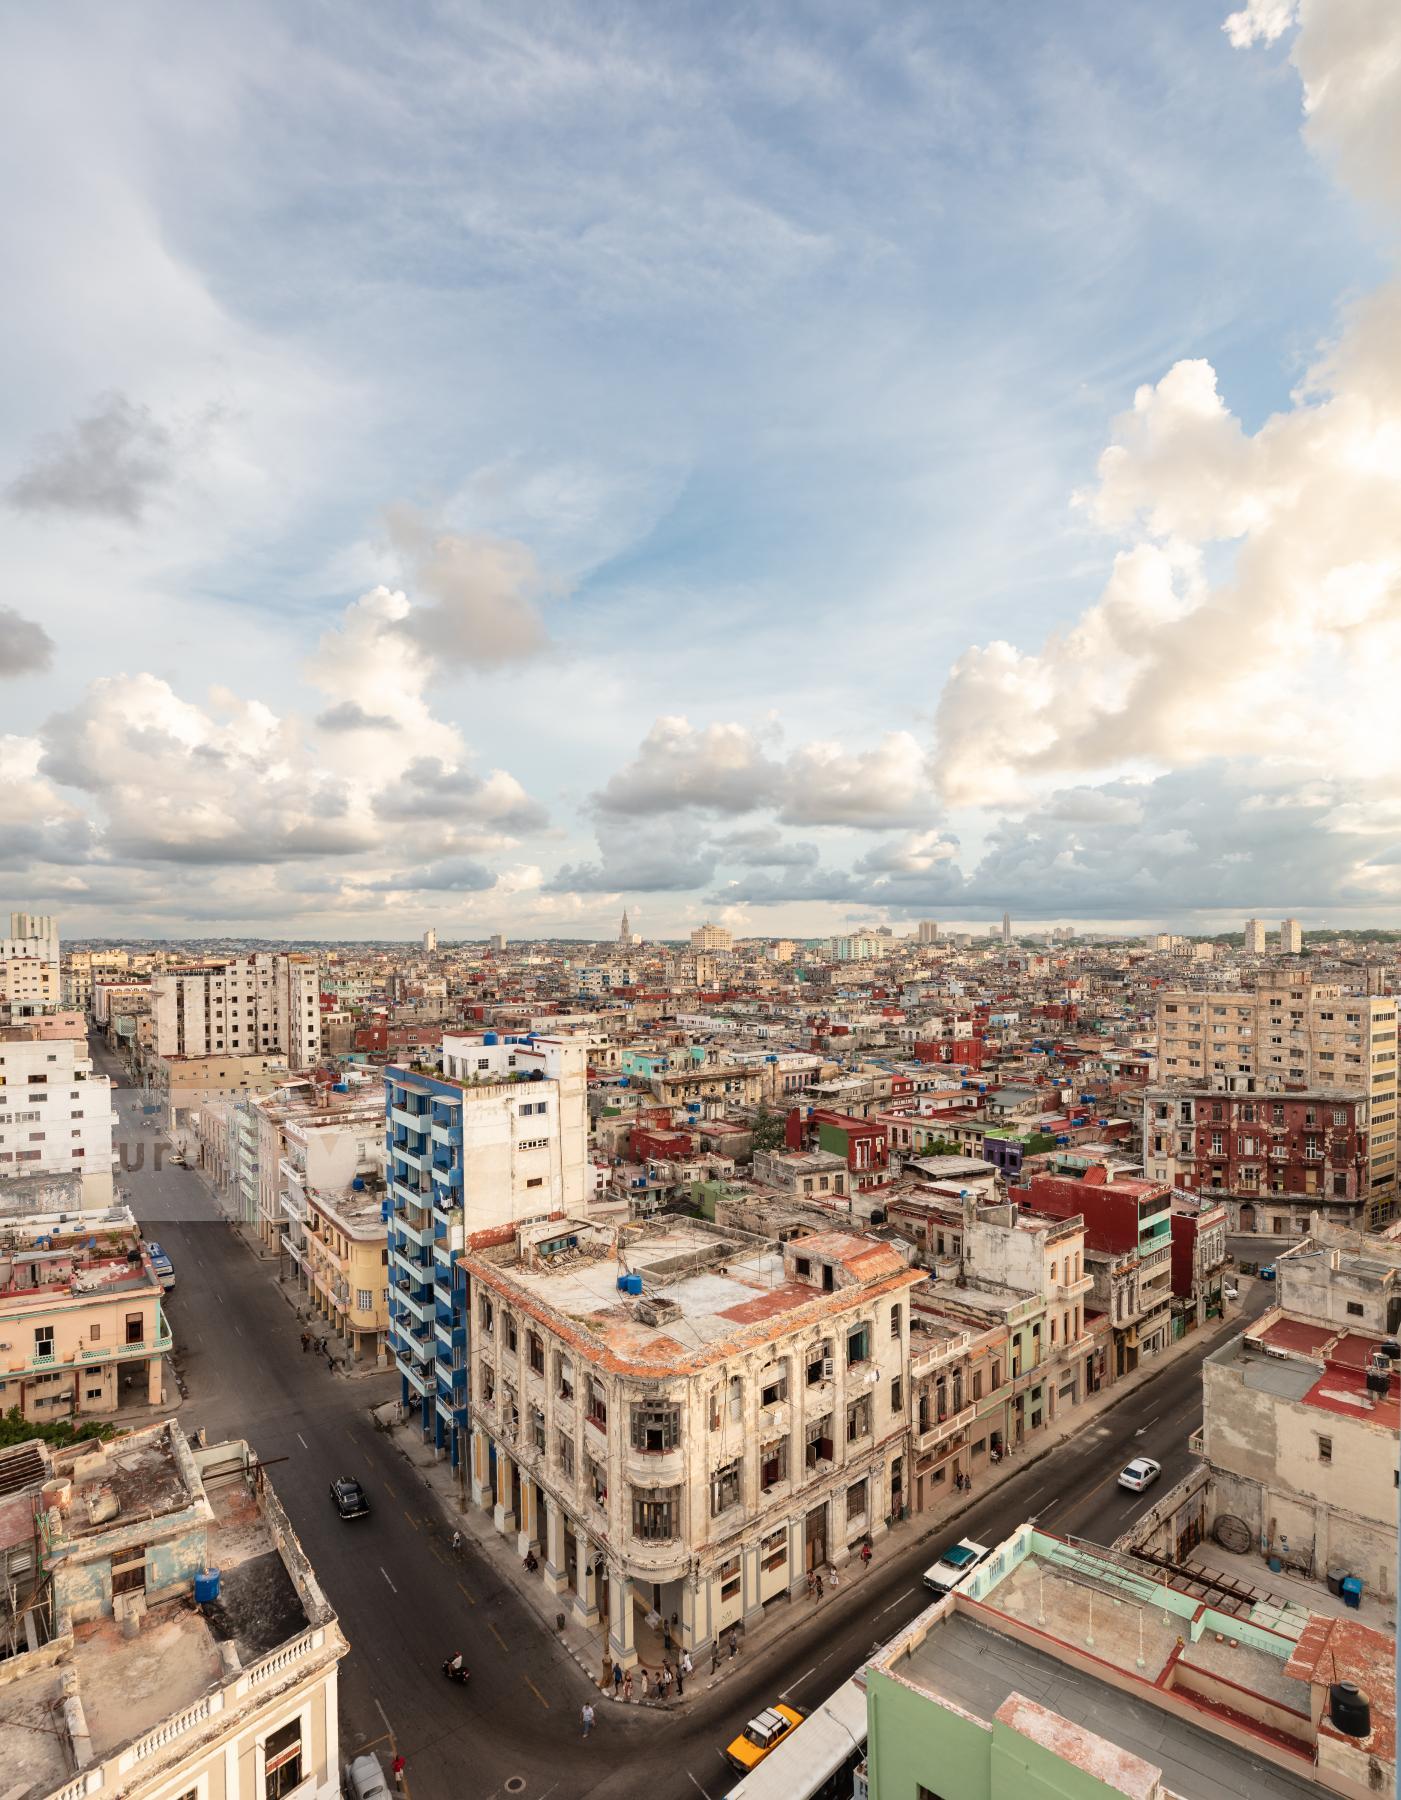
(1291, 937)
(56, 1116)
(929, 931)
(254, 1005)
(430, 941)
(1255, 936)
(525, 1125)
(711, 937)
(686, 1420)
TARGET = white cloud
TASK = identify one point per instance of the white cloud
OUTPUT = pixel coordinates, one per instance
(1260, 22)
(25, 647)
(719, 768)
(478, 595)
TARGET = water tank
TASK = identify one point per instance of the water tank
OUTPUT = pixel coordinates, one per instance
(632, 1284)
(878, 1215)
(490, 1037)
(340, 1087)
(1350, 1709)
(358, 1183)
(206, 1587)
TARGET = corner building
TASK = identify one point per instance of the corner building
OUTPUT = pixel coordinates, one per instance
(683, 1420)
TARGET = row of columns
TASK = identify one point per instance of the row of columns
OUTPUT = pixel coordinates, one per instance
(542, 1529)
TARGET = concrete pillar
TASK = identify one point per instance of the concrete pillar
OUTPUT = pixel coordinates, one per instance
(479, 1466)
(153, 1381)
(555, 1579)
(502, 1516)
(528, 1526)
(695, 1615)
(585, 1584)
(753, 1607)
(622, 1637)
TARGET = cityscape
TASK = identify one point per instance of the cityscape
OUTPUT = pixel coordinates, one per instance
(702, 911)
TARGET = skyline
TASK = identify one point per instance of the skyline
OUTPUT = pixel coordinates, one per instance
(733, 466)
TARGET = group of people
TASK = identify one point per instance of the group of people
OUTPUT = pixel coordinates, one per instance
(646, 1684)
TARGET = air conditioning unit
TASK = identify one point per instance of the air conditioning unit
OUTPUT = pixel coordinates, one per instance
(826, 1368)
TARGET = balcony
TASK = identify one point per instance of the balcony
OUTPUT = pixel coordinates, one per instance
(451, 1135)
(404, 1118)
(415, 1376)
(1060, 1291)
(420, 1306)
(938, 1430)
(1196, 1442)
(656, 1468)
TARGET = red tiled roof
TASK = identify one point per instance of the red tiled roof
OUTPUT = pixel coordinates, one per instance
(1347, 1650)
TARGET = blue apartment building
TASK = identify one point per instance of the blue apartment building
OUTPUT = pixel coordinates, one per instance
(427, 1291)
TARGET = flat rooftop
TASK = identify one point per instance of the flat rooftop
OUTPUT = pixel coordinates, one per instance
(979, 1669)
(703, 1288)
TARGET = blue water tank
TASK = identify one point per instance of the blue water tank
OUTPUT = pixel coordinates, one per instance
(490, 1037)
(358, 1183)
(206, 1587)
(1352, 1591)
(340, 1087)
(633, 1283)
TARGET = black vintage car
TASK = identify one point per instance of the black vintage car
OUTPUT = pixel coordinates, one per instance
(349, 1498)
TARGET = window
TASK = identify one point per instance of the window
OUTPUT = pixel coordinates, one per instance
(597, 1413)
(282, 1760)
(43, 1340)
(535, 1349)
(819, 1364)
(487, 1313)
(512, 1338)
(897, 1393)
(856, 1502)
(724, 1488)
(858, 1346)
(566, 1378)
(656, 1426)
(773, 1465)
(364, 1299)
(1355, 1308)
(1325, 1449)
(129, 1575)
(728, 1576)
(537, 1428)
(895, 1316)
(858, 1419)
(564, 1453)
(774, 1391)
(773, 1550)
(654, 1513)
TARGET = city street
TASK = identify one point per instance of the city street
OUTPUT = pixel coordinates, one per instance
(406, 1601)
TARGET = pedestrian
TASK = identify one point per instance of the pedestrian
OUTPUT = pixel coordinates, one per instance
(819, 1587)
(866, 1555)
(812, 1583)
(688, 1668)
(734, 1635)
(627, 1687)
(646, 1684)
(680, 1680)
(666, 1636)
(715, 1657)
(306, 1341)
(586, 1718)
(457, 1540)
(668, 1678)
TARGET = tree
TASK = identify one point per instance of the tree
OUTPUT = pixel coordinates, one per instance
(768, 1129)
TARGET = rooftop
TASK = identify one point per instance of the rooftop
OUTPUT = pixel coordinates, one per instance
(705, 1289)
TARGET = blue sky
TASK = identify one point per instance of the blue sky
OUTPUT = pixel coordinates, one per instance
(409, 410)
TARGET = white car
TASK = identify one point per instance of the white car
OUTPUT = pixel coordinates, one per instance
(955, 1565)
(1142, 1472)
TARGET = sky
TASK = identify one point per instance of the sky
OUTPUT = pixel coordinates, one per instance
(798, 465)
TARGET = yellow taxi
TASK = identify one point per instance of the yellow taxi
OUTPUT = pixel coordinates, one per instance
(761, 1735)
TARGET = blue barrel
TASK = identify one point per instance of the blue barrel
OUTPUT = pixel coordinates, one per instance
(1352, 1591)
(206, 1587)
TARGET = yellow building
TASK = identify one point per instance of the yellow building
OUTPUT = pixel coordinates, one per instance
(346, 1261)
(81, 1326)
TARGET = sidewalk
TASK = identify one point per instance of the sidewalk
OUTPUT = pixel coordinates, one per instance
(589, 1647)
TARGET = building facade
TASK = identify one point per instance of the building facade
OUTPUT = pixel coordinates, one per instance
(263, 1005)
(56, 1115)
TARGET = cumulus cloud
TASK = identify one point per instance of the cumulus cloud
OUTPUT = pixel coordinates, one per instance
(432, 789)
(1259, 22)
(825, 784)
(25, 647)
(655, 859)
(763, 847)
(109, 464)
(715, 769)
(479, 595)
(349, 715)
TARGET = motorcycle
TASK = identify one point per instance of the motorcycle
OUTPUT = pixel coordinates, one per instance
(461, 1676)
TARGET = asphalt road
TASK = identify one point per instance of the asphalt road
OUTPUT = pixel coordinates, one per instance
(406, 1601)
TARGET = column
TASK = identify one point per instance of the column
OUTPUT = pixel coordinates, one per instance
(585, 1583)
(502, 1516)
(479, 1465)
(622, 1641)
(555, 1579)
(695, 1628)
(753, 1607)
(528, 1528)
(153, 1381)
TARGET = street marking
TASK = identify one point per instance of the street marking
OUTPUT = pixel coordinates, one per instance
(696, 1785)
(802, 1678)
(392, 1588)
(302, 1441)
(385, 1716)
(491, 1627)
(535, 1690)
(893, 1604)
(466, 1596)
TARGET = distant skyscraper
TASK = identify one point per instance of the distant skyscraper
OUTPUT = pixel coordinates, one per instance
(430, 941)
(1254, 937)
(1006, 928)
(711, 938)
(497, 941)
(929, 931)
(625, 932)
(1291, 937)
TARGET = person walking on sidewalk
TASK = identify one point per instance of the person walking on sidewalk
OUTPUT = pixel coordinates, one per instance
(306, 1342)
(457, 1540)
(617, 1679)
(866, 1554)
(734, 1635)
(627, 1688)
(817, 1590)
(398, 1768)
(715, 1657)
(586, 1718)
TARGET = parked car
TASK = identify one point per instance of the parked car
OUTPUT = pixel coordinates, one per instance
(1142, 1472)
(955, 1565)
(349, 1497)
(365, 1779)
(761, 1735)
(1230, 1292)
(1267, 1271)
